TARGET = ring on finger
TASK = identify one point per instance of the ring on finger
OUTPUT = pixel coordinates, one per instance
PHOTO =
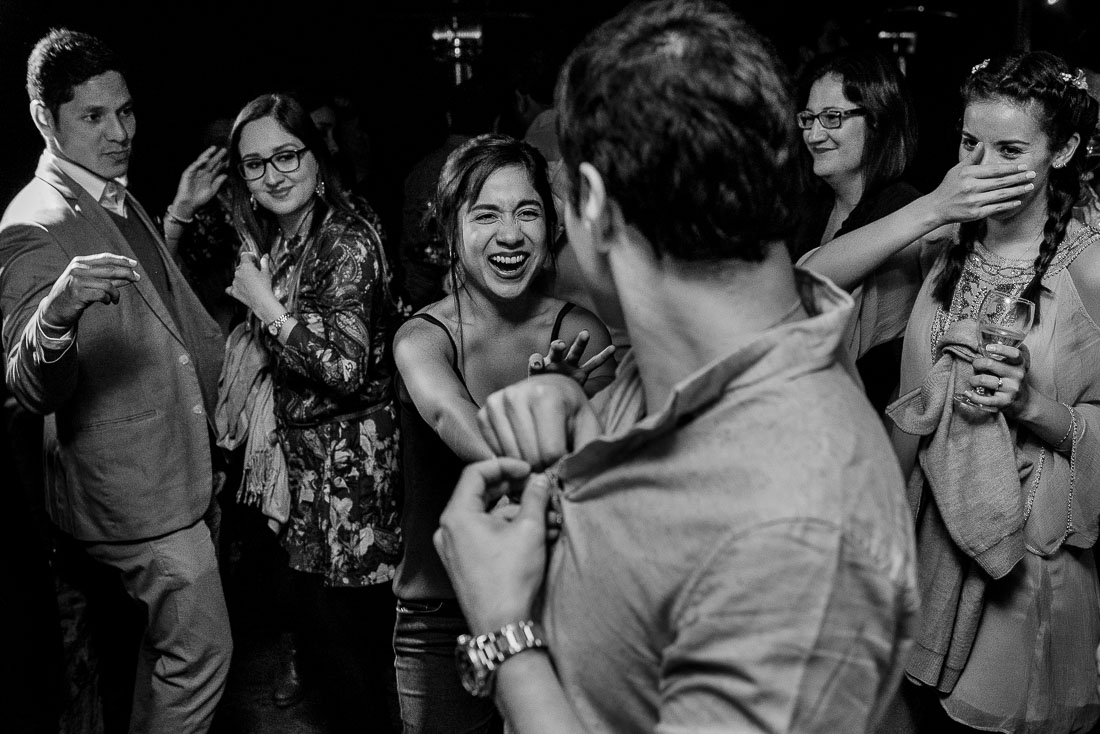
(1000, 383)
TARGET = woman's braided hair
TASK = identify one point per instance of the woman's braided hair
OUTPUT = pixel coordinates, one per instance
(1055, 95)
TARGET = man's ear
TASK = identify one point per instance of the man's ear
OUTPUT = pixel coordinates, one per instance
(597, 212)
(43, 119)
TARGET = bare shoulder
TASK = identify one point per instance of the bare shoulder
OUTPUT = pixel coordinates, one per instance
(420, 338)
(580, 319)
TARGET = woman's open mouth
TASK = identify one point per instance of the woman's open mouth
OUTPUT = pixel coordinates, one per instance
(509, 264)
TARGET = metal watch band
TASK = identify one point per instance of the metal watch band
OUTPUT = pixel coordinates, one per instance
(509, 640)
(479, 657)
(277, 324)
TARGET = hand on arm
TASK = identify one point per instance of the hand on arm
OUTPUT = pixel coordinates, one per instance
(538, 420)
(497, 562)
(968, 192)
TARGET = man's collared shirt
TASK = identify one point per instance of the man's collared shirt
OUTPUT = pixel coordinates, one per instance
(110, 193)
(741, 559)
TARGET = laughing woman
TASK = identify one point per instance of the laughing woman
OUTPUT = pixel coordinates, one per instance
(495, 210)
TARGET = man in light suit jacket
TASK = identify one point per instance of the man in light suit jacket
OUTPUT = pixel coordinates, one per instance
(106, 340)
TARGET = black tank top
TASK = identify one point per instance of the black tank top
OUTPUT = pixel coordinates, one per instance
(431, 471)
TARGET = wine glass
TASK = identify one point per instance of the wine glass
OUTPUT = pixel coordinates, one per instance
(1002, 319)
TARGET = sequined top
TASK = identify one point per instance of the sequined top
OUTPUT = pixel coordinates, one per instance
(985, 271)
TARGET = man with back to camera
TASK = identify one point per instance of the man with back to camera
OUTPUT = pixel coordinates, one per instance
(105, 339)
(735, 553)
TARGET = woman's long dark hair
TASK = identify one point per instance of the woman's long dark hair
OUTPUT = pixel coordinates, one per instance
(258, 224)
(467, 169)
(1045, 85)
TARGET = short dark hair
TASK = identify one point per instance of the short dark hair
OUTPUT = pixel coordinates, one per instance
(684, 111)
(471, 164)
(873, 81)
(293, 118)
(64, 59)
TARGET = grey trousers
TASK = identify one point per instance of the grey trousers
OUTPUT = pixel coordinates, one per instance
(185, 650)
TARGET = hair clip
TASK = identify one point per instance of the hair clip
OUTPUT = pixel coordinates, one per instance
(979, 67)
(1077, 80)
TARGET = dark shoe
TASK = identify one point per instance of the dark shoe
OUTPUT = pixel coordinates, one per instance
(288, 688)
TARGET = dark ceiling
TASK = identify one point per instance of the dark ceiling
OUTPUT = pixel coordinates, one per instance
(196, 60)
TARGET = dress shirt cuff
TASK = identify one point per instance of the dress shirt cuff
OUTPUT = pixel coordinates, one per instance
(52, 348)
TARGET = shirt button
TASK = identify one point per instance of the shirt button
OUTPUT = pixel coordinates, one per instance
(184, 359)
(197, 410)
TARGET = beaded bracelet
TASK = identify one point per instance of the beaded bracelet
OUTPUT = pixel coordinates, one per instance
(176, 218)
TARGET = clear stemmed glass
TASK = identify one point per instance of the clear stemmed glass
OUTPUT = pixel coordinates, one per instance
(1002, 319)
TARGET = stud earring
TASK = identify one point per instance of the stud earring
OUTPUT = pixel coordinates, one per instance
(1059, 164)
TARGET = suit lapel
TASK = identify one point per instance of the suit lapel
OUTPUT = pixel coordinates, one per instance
(111, 239)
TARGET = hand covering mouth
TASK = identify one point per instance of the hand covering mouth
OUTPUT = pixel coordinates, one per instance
(509, 262)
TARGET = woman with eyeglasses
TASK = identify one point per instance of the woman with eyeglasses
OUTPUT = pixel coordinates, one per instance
(1006, 499)
(313, 277)
(859, 128)
(495, 211)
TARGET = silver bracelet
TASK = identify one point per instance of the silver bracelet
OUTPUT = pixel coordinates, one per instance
(176, 218)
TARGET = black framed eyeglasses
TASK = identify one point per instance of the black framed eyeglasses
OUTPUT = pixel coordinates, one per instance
(829, 119)
(285, 161)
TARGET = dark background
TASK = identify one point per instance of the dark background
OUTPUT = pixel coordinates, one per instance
(191, 62)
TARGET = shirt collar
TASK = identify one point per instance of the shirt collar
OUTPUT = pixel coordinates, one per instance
(90, 182)
(782, 352)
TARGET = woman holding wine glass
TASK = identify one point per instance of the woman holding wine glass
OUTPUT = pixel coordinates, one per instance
(1011, 651)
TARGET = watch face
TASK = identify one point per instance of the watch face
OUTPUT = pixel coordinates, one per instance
(471, 669)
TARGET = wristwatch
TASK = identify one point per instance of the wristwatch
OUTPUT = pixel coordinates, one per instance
(274, 326)
(479, 657)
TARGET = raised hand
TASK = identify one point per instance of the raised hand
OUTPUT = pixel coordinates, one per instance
(200, 182)
(561, 361)
(973, 190)
(87, 280)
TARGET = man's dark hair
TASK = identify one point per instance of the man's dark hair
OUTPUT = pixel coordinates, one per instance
(684, 111)
(65, 59)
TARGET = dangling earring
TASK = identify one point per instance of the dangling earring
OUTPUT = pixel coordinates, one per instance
(252, 202)
(319, 189)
